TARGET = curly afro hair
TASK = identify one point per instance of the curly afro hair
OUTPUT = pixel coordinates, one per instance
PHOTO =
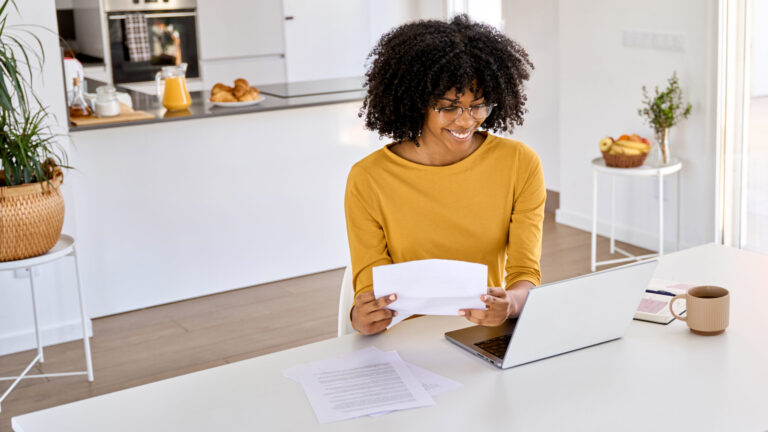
(415, 64)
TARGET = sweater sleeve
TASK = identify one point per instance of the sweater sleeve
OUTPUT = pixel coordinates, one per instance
(367, 242)
(525, 225)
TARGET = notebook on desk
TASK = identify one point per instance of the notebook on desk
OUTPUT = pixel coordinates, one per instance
(654, 307)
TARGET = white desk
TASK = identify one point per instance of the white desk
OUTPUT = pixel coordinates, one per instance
(655, 378)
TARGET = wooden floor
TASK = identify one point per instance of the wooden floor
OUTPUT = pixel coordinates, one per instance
(152, 344)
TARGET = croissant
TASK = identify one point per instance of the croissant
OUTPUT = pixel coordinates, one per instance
(240, 90)
(223, 96)
(220, 87)
(251, 95)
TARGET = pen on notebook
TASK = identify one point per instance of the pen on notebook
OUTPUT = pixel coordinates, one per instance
(666, 293)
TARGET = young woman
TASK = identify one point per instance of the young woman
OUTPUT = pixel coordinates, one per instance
(444, 188)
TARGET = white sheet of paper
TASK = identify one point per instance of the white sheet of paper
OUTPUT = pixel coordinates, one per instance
(433, 383)
(431, 287)
(294, 372)
(360, 383)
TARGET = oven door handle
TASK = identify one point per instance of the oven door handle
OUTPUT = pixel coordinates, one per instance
(159, 15)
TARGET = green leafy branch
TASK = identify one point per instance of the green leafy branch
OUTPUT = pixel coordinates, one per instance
(666, 108)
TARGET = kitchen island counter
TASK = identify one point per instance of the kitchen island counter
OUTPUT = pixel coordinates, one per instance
(168, 209)
(276, 97)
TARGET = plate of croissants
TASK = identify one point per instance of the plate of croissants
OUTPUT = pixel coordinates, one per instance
(242, 94)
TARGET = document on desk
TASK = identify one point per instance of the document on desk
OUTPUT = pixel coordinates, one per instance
(361, 383)
(433, 383)
(431, 287)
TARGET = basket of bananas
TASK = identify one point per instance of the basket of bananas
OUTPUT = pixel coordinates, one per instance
(628, 151)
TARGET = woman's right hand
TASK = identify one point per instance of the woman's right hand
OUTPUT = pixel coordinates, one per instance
(370, 315)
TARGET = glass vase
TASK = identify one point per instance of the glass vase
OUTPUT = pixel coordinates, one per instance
(665, 146)
(659, 155)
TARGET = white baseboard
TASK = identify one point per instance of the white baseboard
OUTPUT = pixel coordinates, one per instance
(50, 335)
(647, 240)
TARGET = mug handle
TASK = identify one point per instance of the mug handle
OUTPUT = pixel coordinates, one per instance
(672, 310)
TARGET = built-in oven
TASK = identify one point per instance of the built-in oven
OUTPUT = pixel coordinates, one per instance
(145, 35)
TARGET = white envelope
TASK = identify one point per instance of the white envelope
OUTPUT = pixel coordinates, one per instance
(431, 287)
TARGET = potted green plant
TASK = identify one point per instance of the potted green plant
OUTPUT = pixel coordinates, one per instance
(664, 110)
(31, 203)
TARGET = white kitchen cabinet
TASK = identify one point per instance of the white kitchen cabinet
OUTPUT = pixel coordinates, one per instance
(257, 70)
(326, 39)
(239, 28)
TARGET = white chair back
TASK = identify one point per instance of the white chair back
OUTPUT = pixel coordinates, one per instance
(346, 296)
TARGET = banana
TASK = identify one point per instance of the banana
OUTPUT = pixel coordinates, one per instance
(605, 144)
(617, 150)
(632, 152)
(643, 147)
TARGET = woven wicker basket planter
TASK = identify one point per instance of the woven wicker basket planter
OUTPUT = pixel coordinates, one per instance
(31, 217)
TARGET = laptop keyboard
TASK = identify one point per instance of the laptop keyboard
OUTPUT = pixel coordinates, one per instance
(496, 346)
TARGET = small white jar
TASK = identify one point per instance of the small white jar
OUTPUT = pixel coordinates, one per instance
(106, 103)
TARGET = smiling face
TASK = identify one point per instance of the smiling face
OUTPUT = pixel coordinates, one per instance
(455, 135)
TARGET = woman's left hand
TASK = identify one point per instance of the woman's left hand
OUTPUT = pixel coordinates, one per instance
(499, 308)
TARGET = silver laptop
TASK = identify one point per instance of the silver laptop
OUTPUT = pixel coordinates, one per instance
(562, 316)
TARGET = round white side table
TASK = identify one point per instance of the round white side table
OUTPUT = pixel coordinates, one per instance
(599, 167)
(64, 247)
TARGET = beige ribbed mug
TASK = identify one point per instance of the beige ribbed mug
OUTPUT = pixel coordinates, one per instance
(706, 309)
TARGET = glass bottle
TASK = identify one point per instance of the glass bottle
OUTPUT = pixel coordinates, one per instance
(78, 107)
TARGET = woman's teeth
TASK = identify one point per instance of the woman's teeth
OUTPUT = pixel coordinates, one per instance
(460, 135)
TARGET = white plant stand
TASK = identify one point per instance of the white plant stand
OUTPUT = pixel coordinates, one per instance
(599, 167)
(64, 247)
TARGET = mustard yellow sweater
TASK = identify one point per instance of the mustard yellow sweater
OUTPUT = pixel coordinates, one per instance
(487, 208)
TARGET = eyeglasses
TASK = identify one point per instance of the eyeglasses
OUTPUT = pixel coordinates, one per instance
(449, 114)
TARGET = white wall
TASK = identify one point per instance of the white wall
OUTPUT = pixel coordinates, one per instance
(759, 48)
(384, 15)
(487, 11)
(587, 85)
(57, 302)
(600, 92)
(430, 9)
(534, 26)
